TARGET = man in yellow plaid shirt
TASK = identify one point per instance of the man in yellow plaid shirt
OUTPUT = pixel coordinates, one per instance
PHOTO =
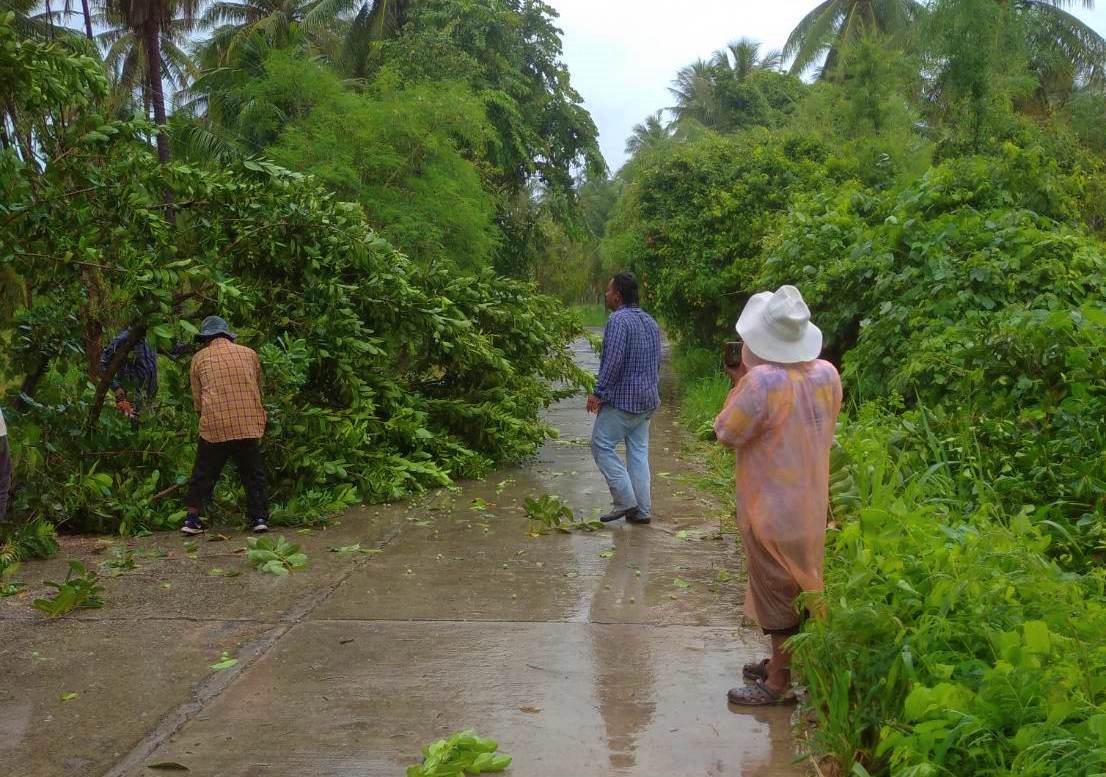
(226, 391)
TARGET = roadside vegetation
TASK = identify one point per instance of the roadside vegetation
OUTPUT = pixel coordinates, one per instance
(359, 188)
(936, 190)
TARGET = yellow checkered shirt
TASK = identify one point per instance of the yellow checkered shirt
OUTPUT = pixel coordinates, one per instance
(226, 390)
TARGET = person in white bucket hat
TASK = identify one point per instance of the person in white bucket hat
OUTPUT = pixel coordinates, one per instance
(779, 419)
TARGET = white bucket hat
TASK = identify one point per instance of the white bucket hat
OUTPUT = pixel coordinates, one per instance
(776, 327)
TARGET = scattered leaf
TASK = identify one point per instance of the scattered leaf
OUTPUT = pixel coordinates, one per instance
(11, 589)
(679, 582)
(606, 554)
(169, 766)
(68, 696)
(225, 662)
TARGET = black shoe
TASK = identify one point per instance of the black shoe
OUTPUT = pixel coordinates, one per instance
(637, 517)
(614, 515)
(192, 526)
(259, 525)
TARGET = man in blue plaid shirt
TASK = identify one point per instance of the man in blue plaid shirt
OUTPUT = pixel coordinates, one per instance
(625, 397)
(135, 383)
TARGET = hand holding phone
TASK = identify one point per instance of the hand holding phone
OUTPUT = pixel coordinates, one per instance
(731, 354)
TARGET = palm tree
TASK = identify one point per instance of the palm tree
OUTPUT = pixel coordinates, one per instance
(742, 57)
(649, 134)
(149, 21)
(125, 58)
(343, 30)
(1062, 48)
(694, 93)
(836, 24)
(235, 21)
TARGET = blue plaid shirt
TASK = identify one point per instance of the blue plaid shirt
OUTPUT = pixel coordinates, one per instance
(138, 371)
(630, 362)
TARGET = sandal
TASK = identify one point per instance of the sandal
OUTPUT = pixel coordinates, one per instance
(758, 695)
(758, 670)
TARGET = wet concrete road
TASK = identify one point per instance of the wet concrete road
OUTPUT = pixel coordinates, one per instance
(603, 653)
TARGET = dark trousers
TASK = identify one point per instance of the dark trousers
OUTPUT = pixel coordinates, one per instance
(5, 475)
(211, 457)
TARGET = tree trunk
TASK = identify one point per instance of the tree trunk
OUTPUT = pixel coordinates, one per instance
(87, 19)
(136, 333)
(92, 331)
(157, 91)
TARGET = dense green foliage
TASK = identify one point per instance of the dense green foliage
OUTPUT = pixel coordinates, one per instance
(953, 644)
(692, 221)
(938, 197)
(382, 375)
(462, 134)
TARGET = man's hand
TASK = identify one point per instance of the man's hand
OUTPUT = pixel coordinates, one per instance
(594, 403)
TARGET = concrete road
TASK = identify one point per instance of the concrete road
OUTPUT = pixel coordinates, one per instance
(605, 653)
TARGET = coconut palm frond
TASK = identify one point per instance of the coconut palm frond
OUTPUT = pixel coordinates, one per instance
(809, 37)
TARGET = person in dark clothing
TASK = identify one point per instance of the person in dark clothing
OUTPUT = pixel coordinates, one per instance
(135, 382)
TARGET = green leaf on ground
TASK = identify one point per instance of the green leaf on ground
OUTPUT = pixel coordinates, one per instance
(355, 548)
(11, 589)
(80, 589)
(679, 582)
(606, 553)
(225, 662)
(68, 696)
(274, 555)
(465, 752)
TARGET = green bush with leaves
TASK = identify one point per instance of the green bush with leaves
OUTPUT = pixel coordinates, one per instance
(952, 643)
(382, 377)
(692, 221)
(976, 291)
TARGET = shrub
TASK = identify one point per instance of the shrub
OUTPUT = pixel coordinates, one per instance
(952, 644)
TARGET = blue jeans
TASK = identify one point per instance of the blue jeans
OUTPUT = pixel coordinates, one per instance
(629, 482)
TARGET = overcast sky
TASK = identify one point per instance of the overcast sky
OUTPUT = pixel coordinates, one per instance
(623, 54)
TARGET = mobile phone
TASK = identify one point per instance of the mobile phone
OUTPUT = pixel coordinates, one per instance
(731, 353)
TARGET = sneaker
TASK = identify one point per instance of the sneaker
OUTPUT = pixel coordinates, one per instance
(192, 525)
(617, 513)
(259, 525)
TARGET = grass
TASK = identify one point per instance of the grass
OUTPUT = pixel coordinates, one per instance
(703, 388)
(591, 315)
